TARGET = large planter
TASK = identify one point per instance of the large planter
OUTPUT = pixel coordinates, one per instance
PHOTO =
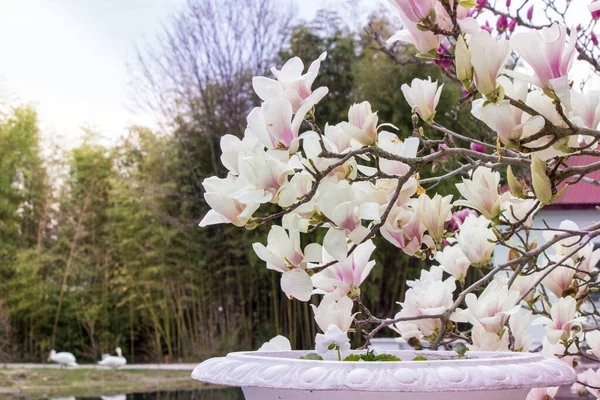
(484, 375)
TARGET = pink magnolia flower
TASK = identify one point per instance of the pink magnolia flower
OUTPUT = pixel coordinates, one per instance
(405, 229)
(424, 41)
(423, 95)
(564, 322)
(512, 25)
(459, 217)
(414, 10)
(548, 53)
(595, 9)
(347, 274)
(594, 39)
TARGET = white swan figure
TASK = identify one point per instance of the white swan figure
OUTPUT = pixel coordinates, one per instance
(113, 362)
(63, 358)
(117, 397)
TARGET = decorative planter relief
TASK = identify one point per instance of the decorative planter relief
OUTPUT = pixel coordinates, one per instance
(483, 375)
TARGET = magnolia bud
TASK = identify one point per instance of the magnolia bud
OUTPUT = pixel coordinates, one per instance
(464, 69)
(539, 180)
(478, 147)
(516, 187)
(530, 13)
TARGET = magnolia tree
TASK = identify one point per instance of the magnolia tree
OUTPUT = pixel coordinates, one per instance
(356, 179)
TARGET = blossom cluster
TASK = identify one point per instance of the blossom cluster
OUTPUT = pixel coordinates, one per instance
(357, 178)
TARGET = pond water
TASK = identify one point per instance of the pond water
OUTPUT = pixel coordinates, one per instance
(205, 394)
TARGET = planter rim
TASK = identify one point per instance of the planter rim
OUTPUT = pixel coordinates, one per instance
(483, 371)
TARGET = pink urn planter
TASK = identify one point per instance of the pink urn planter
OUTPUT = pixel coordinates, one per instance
(482, 375)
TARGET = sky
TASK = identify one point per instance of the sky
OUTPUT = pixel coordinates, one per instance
(69, 59)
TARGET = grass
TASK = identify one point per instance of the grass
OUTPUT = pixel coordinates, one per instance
(47, 382)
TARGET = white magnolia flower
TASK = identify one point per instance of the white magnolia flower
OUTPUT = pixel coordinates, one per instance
(274, 125)
(586, 109)
(476, 239)
(278, 343)
(588, 260)
(488, 57)
(564, 246)
(481, 192)
(454, 261)
(428, 295)
(229, 204)
(514, 210)
(392, 144)
(423, 95)
(564, 323)
(557, 351)
(291, 84)
(518, 324)
(284, 254)
(593, 341)
(524, 284)
(487, 341)
(491, 309)
(333, 344)
(592, 379)
(560, 280)
(542, 393)
(348, 273)
(334, 309)
(363, 122)
(434, 213)
(311, 144)
(232, 148)
(338, 202)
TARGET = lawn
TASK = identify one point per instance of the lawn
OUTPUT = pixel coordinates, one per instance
(46, 382)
